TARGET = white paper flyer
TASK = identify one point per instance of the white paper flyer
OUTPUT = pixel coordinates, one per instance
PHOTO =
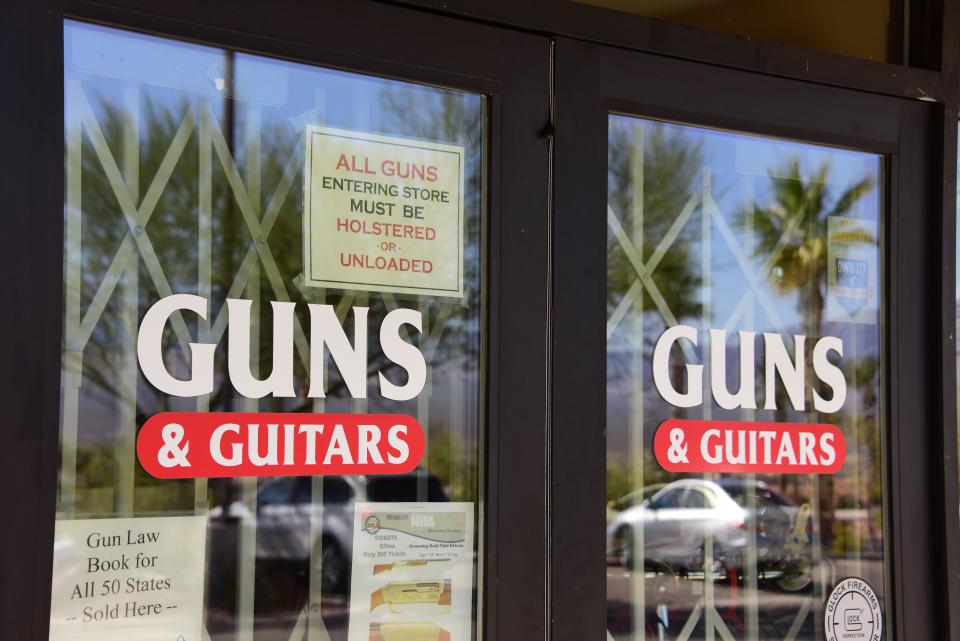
(412, 577)
(128, 578)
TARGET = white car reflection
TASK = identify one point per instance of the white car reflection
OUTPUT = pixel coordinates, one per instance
(678, 521)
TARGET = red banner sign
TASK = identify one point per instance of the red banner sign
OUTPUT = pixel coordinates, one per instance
(740, 446)
(176, 445)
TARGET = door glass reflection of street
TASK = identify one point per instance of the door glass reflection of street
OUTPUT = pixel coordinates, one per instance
(184, 174)
(739, 236)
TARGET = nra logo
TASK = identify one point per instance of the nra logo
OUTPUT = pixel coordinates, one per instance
(422, 520)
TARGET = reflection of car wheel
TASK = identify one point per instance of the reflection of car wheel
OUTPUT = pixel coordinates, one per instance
(623, 544)
(796, 576)
(332, 567)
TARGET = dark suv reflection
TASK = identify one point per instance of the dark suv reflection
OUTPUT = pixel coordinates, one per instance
(289, 525)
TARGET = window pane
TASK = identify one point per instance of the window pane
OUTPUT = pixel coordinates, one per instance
(187, 174)
(762, 251)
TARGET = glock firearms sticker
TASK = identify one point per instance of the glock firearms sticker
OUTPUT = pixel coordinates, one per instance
(852, 612)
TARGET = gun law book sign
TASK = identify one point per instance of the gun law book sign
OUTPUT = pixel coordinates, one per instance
(412, 577)
(128, 578)
(383, 213)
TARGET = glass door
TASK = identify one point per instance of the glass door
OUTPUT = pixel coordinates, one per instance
(737, 255)
(766, 254)
(283, 413)
(259, 186)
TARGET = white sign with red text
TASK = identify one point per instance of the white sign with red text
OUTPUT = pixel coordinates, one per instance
(382, 213)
